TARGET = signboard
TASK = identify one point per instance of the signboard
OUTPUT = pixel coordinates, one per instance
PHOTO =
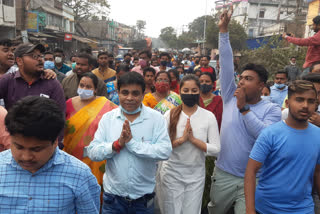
(24, 35)
(67, 37)
(32, 22)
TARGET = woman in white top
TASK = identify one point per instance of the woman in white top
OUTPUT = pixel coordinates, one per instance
(194, 134)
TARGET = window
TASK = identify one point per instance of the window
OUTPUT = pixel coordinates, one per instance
(250, 33)
(8, 3)
(261, 13)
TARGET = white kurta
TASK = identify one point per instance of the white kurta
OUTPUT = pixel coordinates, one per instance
(182, 177)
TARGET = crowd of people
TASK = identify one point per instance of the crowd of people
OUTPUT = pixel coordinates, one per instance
(103, 136)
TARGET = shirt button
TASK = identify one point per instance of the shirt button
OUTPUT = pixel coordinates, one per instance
(30, 198)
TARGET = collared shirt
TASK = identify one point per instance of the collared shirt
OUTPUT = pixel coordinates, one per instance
(107, 76)
(139, 70)
(277, 95)
(13, 87)
(63, 185)
(11, 70)
(70, 87)
(132, 172)
(64, 69)
(239, 132)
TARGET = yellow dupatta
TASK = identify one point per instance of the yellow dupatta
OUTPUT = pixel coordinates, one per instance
(80, 132)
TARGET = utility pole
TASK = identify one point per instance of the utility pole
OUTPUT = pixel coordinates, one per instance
(205, 26)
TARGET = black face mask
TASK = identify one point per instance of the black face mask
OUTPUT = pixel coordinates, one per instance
(190, 99)
(205, 88)
(197, 61)
(163, 63)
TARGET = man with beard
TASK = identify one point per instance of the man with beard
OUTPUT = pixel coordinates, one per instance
(289, 154)
(313, 43)
(70, 84)
(29, 79)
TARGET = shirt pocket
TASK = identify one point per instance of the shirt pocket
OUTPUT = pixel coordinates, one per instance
(12, 203)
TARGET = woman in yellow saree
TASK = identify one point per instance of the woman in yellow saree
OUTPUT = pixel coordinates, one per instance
(83, 114)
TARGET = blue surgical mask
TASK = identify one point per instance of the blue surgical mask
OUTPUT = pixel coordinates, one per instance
(130, 112)
(48, 65)
(85, 94)
(181, 76)
(266, 98)
(278, 86)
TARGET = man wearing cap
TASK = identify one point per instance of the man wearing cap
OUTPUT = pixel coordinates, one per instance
(29, 79)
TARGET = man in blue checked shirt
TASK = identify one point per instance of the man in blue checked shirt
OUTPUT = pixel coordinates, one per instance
(132, 138)
(35, 176)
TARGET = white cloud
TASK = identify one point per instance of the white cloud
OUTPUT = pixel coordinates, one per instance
(158, 14)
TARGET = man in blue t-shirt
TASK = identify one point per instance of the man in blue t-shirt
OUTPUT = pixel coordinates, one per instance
(289, 154)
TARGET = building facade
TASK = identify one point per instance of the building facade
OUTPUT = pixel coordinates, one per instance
(268, 17)
(7, 19)
(313, 11)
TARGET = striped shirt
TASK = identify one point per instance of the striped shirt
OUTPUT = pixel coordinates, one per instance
(63, 185)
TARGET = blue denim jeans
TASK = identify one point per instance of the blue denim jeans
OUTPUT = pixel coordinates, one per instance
(113, 204)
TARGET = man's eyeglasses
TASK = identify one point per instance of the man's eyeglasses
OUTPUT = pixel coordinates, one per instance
(34, 56)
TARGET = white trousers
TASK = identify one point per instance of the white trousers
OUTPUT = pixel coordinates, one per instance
(178, 197)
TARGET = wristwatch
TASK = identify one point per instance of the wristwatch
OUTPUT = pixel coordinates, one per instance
(244, 108)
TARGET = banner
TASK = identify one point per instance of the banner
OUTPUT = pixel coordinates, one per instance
(32, 22)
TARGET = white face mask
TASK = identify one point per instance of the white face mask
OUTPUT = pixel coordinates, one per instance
(58, 59)
(85, 94)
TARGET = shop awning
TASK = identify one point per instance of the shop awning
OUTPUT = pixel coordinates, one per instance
(83, 39)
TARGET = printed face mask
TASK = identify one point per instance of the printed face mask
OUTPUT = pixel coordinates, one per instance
(85, 94)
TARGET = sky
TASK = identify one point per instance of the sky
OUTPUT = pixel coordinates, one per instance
(159, 14)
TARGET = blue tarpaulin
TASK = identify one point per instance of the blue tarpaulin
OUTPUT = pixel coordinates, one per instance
(255, 43)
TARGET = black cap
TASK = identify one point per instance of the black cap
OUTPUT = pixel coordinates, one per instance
(28, 48)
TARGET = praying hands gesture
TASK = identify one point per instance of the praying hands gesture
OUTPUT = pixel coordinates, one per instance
(187, 134)
(126, 135)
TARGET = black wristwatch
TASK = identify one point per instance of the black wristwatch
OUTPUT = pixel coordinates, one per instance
(245, 108)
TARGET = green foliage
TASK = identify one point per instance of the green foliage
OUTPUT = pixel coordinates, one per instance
(238, 36)
(274, 55)
(169, 36)
(86, 9)
(195, 33)
(141, 25)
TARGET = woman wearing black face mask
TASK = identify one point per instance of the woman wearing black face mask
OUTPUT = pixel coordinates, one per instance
(208, 100)
(194, 134)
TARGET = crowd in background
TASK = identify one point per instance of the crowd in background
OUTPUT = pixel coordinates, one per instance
(132, 134)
